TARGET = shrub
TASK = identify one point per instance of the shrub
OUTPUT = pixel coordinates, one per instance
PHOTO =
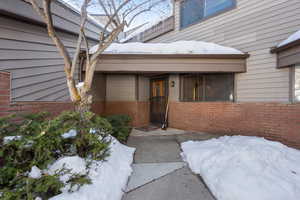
(121, 127)
(40, 143)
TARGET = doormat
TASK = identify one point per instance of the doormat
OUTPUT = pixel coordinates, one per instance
(147, 128)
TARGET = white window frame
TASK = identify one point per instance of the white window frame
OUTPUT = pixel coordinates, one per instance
(293, 81)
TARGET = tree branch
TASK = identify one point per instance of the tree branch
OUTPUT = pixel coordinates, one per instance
(51, 32)
(35, 6)
(81, 35)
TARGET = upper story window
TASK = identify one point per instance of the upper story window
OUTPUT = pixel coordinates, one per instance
(192, 11)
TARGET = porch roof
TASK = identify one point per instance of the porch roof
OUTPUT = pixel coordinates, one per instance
(288, 51)
(176, 57)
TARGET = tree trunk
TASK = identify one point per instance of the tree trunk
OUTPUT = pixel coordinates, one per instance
(85, 103)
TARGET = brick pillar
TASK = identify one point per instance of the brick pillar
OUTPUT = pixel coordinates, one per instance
(4, 93)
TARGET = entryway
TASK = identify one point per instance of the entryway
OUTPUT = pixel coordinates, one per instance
(158, 99)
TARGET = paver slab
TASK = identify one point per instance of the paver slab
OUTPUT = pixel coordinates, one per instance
(178, 185)
(147, 172)
(155, 149)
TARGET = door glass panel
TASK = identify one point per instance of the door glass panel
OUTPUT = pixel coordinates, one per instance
(158, 101)
(158, 88)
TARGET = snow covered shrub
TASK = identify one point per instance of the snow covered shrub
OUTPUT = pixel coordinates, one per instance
(121, 127)
(37, 141)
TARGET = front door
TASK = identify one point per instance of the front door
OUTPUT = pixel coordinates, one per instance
(158, 100)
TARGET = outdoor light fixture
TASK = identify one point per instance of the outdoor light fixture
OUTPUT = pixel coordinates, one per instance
(172, 83)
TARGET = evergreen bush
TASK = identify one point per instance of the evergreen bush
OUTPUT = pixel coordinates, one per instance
(121, 127)
(39, 141)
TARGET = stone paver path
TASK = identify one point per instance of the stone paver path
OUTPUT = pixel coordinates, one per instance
(158, 170)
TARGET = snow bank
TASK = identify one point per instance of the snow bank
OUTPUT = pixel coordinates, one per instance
(246, 168)
(180, 47)
(109, 178)
(292, 38)
(35, 173)
(74, 163)
(70, 134)
(8, 139)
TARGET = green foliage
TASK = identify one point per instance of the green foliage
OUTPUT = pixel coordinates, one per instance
(40, 143)
(29, 188)
(5, 126)
(121, 127)
(78, 180)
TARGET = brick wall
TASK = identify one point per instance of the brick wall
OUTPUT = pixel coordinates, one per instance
(276, 121)
(6, 107)
(138, 111)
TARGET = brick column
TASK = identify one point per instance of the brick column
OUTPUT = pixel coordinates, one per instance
(4, 93)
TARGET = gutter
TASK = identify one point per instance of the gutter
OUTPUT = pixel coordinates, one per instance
(285, 47)
(209, 56)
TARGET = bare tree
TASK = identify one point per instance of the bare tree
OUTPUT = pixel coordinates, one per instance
(120, 13)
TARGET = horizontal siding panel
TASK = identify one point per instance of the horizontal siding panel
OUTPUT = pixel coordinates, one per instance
(31, 56)
(64, 97)
(24, 45)
(254, 27)
(54, 96)
(27, 72)
(28, 81)
(22, 64)
(75, 18)
(25, 91)
(16, 35)
(43, 95)
(264, 85)
(67, 22)
(19, 55)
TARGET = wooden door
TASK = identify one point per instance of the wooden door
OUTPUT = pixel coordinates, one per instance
(158, 100)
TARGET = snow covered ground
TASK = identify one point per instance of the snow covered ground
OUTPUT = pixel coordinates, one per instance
(245, 168)
(109, 178)
(179, 47)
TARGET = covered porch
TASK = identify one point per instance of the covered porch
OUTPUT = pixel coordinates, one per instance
(141, 84)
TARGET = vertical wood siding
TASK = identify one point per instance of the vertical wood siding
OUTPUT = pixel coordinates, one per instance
(143, 88)
(121, 87)
(99, 87)
(254, 27)
(34, 62)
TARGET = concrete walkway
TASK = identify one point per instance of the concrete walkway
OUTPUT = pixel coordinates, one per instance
(158, 170)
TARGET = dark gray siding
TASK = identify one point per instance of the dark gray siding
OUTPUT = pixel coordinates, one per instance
(35, 65)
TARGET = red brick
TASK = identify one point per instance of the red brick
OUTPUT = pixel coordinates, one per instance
(271, 120)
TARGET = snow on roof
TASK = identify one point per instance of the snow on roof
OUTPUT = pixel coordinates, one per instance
(76, 9)
(145, 27)
(180, 47)
(292, 38)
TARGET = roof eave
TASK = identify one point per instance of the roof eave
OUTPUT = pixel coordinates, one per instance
(209, 56)
(285, 47)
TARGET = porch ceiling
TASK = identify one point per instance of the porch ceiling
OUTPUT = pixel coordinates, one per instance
(175, 63)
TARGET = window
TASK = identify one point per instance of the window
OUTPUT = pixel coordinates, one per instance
(207, 87)
(297, 84)
(192, 11)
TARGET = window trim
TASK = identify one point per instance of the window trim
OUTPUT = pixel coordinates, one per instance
(234, 6)
(181, 82)
(292, 84)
